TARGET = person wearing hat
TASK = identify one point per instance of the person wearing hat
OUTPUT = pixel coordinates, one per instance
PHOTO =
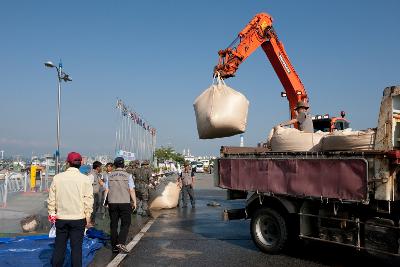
(303, 118)
(132, 166)
(120, 189)
(143, 176)
(70, 205)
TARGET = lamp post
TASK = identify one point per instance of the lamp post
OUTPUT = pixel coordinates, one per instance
(62, 76)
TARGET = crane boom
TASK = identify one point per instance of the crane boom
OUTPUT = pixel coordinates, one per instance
(260, 32)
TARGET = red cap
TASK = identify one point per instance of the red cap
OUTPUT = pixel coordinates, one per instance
(74, 157)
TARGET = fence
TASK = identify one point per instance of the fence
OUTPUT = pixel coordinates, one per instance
(14, 182)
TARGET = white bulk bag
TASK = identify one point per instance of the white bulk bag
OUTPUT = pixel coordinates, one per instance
(349, 140)
(166, 196)
(291, 139)
(220, 111)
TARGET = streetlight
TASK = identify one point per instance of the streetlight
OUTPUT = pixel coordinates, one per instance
(62, 76)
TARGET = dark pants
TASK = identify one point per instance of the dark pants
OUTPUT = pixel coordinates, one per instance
(142, 197)
(188, 190)
(96, 205)
(119, 211)
(180, 200)
(72, 230)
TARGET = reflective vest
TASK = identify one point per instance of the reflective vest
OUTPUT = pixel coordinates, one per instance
(118, 187)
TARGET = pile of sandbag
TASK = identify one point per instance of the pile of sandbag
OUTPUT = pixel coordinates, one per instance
(291, 139)
(220, 111)
(166, 196)
(348, 140)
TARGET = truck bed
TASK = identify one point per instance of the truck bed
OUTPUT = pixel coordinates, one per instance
(341, 175)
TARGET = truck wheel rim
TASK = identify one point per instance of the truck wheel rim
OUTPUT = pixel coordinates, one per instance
(267, 230)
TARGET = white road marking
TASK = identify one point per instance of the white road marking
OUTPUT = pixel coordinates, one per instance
(118, 259)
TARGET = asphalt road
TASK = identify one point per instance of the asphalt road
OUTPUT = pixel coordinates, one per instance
(199, 237)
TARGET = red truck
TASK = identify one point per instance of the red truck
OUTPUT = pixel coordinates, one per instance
(351, 198)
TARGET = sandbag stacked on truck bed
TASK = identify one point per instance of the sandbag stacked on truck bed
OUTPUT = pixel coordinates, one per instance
(348, 140)
(166, 196)
(291, 139)
(220, 111)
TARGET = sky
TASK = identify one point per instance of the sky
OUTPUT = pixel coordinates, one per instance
(158, 56)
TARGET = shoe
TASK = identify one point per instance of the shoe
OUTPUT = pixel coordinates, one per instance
(122, 248)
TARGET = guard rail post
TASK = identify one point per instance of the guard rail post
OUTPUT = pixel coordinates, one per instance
(25, 180)
(5, 191)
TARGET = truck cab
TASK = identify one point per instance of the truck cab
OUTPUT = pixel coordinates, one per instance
(325, 123)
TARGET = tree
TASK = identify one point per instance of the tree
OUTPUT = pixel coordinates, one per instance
(168, 153)
(179, 158)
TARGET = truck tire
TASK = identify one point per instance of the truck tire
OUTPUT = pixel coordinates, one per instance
(269, 231)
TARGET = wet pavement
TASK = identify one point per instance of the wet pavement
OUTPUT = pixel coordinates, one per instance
(199, 237)
(105, 255)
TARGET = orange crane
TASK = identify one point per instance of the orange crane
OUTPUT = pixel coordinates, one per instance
(260, 32)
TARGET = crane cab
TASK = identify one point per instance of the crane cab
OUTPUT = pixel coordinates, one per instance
(325, 123)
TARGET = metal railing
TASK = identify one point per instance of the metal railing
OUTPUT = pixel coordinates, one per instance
(13, 182)
(18, 182)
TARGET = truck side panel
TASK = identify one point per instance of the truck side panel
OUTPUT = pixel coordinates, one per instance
(344, 179)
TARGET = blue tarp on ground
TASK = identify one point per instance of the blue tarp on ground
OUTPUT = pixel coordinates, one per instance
(37, 251)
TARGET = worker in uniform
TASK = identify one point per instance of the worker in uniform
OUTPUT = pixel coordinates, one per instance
(186, 180)
(133, 168)
(95, 178)
(303, 118)
(142, 180)
(120, 189)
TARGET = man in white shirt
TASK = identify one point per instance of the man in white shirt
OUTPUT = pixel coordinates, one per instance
(70, 205)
